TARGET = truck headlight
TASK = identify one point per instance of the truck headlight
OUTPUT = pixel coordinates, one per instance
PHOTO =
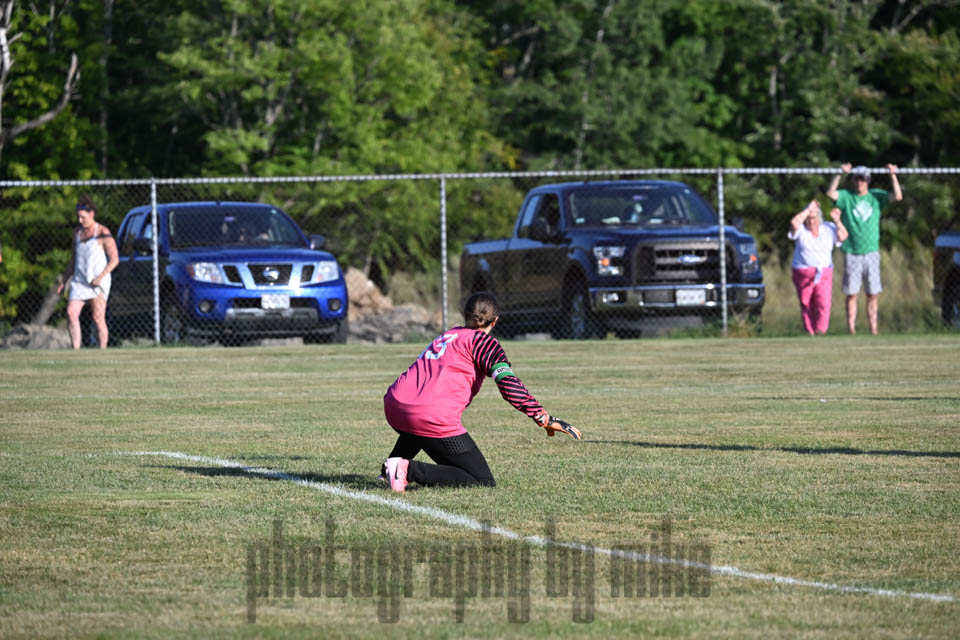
(749, 260)
(205, 272)
(324, 272)
(605, 257)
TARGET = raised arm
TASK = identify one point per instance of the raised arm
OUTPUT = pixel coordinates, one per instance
(897, 193)
(833, 190)
(842, 233)
(797, 221)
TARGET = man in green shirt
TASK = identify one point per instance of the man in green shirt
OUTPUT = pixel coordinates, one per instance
(860, 214)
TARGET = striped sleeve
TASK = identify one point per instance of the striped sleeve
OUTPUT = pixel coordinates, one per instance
(490, 360)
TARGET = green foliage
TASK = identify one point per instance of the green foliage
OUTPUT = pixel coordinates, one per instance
(14, 282)
(701, 84)
(919, 75)
(40, 58)
(326, 88)
(297, 88)
(36, 248)
(607, 85)
(260, 88)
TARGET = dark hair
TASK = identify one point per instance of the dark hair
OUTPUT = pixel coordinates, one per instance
(85, 203)
(480, 310)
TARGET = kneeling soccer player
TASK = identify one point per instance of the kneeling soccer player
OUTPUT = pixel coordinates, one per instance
(425, 403)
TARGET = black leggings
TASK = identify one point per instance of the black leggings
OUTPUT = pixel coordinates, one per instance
(458, 458)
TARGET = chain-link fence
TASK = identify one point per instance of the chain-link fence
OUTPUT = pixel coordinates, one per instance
(569, 254)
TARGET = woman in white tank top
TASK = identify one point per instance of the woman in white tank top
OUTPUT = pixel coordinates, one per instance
(94, 257)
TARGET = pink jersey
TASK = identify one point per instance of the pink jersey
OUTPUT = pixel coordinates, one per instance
(429, 397)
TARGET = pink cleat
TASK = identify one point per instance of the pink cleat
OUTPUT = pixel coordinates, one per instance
(396, 471)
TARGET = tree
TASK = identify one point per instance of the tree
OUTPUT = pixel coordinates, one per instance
(601, 83)
(28, 27)
(326, 88)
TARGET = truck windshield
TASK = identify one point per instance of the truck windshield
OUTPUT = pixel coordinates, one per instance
(642, 206)
(231, 226)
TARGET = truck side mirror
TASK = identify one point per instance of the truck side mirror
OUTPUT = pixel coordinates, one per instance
(737, 223)
(540, 230)
(317, 242)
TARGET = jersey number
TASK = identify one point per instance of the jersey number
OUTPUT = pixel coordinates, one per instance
(444, 340)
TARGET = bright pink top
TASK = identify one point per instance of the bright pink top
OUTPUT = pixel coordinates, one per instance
(429, 398)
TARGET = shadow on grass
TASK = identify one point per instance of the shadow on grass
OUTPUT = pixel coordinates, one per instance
(248, 457)
(345, 480)
(851, 398)
(848, 451)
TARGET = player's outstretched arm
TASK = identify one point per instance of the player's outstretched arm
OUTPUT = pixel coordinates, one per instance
(488, 355)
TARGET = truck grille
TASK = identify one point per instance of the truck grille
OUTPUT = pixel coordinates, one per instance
(233, 274)
(694, 262)
(270, 274)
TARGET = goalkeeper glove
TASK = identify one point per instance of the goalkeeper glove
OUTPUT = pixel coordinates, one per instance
(553, 425)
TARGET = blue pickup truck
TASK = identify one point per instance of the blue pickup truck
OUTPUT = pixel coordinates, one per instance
(586, 258)
(227, 271)
(946, 275)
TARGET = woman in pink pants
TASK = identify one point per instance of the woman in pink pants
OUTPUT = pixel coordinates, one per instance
(813, 263)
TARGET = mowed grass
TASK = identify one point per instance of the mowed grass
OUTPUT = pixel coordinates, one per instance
(833, 460)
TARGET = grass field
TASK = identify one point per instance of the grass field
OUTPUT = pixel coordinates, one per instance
(834, 462)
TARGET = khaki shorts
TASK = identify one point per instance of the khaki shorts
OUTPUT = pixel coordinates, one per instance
(861, 268)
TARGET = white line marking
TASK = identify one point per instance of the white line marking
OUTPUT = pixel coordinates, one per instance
(471, 523)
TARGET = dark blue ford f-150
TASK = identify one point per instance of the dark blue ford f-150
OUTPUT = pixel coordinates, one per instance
(623, 256)
(228, 271)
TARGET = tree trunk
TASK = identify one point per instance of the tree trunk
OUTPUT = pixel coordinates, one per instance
(587, 82)
(48, 306)
(105, 91)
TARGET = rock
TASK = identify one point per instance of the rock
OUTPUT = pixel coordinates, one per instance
(373, 318)
(400, 324)
(365, 297)
(36, 336)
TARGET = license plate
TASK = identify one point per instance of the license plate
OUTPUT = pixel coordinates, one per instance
(274, 301)
(691, 297)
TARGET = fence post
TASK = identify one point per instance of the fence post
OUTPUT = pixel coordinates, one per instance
(723, 252)
(443, 251)
(156, 262)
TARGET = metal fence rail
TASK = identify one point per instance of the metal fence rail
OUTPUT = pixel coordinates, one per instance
(407, 234)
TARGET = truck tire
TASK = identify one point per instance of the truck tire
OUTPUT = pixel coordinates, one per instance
(171, 323)
(579, 322)
(343, 329)
(337, 337)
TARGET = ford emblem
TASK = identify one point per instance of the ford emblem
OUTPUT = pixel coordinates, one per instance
(271, 274)
(691, 259)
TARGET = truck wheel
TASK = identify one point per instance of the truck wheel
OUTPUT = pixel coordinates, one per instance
(343, 329)
(950, 307)
(337, 337)
(171, 323)
(579, 322)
